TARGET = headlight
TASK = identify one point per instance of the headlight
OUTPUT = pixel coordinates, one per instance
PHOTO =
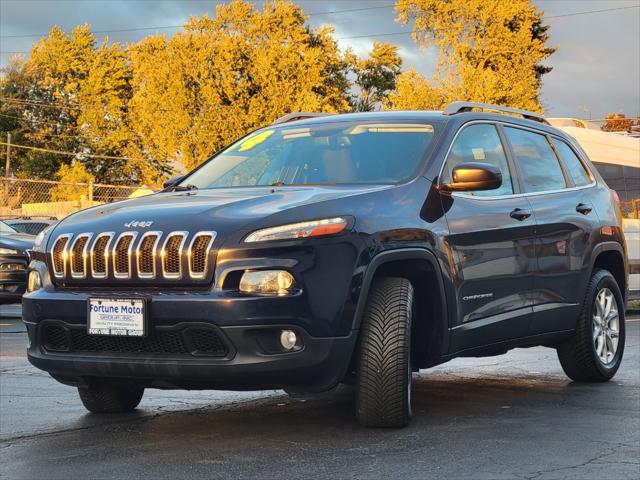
(8, 251)
(34, 281)
(40, 241)
(315, 228)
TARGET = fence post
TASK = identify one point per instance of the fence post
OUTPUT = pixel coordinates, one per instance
(90, 193)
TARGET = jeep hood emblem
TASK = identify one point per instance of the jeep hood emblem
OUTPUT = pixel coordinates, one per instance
(138, 223)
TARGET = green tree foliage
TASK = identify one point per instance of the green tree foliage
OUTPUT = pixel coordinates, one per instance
(376, 75)
(490, 50)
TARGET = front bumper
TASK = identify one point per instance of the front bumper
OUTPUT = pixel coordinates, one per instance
(242, 324)
(318, 366)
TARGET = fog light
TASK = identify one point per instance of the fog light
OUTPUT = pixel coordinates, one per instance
(288, 339)
(11, 267)
(34, 281)
(267, 282)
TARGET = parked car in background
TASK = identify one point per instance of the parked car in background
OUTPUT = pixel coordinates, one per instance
(14, 258)
(31, 225)
(573, 122)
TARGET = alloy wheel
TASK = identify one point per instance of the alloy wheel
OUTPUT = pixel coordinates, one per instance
(606, 326)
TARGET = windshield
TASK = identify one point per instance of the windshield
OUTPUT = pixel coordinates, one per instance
(4, 228)
(328, 153)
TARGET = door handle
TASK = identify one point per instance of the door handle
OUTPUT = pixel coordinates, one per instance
(520, 214)
(583, 208)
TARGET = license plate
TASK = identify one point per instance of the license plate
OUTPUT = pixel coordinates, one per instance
(124, 317)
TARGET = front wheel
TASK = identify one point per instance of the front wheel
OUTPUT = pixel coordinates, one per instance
(383, 377)
(100, 398)
(594, 353)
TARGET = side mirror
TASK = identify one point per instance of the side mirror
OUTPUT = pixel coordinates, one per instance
(472, 176)
(171, 182)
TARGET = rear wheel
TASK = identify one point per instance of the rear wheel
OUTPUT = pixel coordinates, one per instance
(595, 351)
(383, 377)
(99, 398)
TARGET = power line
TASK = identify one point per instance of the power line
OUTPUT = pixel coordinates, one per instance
(60, 152)
(544, 18)
(388, 34)
(37, 103)
(164, 27)
(593, 11)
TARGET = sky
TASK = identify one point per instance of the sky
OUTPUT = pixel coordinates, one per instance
(596, 69)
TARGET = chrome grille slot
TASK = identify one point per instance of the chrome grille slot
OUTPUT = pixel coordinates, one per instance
(146, 254)
(198, 253)
(122, 255)
(172, 254)
(100, 255)
(59, 255)
(78, 255)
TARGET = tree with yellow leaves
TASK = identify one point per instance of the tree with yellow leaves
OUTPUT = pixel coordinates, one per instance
(75, 182)
(225, 76)
(490, 50)
(414, 92)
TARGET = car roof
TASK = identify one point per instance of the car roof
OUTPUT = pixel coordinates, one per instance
(454, 120)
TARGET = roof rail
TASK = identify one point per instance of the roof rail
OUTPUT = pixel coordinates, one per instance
(292, 117)
(459, 107)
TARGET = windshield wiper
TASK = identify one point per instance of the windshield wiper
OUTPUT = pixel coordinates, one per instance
(184, 188)
(282, 184)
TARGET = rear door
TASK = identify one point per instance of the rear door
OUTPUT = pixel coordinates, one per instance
(564, 218)
(491, 242)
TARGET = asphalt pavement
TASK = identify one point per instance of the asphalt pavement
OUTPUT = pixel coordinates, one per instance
(514, 416)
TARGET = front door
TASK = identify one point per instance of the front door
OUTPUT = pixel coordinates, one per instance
(491, 241)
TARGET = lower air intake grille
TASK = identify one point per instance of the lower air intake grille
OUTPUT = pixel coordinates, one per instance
(189, 341)
(55, 338)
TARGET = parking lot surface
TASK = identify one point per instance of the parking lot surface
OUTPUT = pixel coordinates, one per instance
(515, 416)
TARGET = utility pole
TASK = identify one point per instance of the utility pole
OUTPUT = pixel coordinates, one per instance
(7, 164)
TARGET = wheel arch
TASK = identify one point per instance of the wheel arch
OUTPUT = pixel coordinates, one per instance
(421, 267)
(611, 256)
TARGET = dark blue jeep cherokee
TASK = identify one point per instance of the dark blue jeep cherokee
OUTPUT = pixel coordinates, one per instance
(345, 248)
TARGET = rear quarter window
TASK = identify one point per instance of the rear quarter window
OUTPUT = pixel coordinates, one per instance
(538, 163)
(573, 165)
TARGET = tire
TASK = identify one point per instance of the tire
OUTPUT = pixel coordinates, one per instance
(110, 399)
(579, 355)
(383, 374)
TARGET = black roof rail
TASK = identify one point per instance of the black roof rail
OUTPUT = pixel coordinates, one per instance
(459, 107)
(292, 117)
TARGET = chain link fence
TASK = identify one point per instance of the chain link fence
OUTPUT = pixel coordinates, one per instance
(23, 197)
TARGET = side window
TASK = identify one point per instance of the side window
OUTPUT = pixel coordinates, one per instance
(538, 163)
(480, 143)
(572, 163)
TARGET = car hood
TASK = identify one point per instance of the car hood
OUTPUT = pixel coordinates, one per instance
(213, 209)
(17, 241)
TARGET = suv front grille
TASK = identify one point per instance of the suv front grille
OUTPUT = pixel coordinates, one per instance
(196, 341)
(127, 256)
